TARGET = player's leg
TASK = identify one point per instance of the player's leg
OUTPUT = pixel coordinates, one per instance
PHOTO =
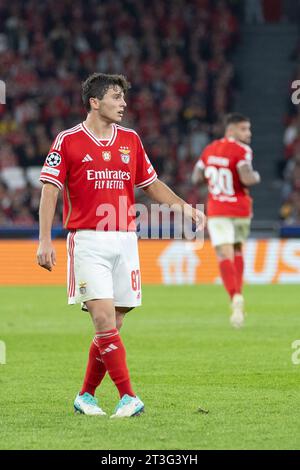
(221, 231)
(110, 345)
(229, 276)
(96, 370)
(95, 256)
(103, 316)
(113, 355)
(238, 303)
(239, 265)
(120, 315)
(127, 406)
(83, 271)
(84, 402)
(241, 233)
(230, 280)
(222, 234)
(225, 255)
(127, 290)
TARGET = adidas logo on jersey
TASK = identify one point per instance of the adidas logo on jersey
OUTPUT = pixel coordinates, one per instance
(87, 158)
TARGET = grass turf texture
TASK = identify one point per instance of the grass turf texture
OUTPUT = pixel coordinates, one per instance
(182, 355)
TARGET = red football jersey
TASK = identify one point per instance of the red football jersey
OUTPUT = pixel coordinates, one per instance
(227, 197)
(98, 177)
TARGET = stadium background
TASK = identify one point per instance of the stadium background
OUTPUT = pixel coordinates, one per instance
(189, 62)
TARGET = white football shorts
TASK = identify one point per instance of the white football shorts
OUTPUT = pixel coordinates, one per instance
(228, 230)
(104, 265)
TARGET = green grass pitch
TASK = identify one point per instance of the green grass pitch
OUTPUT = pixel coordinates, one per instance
(182, 354)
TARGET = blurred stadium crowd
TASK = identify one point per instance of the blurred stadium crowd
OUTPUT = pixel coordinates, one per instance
(289, 167)
(177, 58)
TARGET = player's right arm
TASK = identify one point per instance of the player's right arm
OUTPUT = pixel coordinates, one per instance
(46, 256)
(198, 176)
(53, 175)
(247, 175)
(146, 178)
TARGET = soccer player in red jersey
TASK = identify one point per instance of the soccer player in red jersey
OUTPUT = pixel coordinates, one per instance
(226, 166)
(97, 164)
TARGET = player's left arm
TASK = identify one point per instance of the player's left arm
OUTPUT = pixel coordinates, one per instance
(247, 175)
(161, 193)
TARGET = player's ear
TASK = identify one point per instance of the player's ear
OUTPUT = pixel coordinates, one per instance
(94, 103)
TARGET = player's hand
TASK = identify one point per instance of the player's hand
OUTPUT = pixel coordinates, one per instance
(196, 215)
(46, 256)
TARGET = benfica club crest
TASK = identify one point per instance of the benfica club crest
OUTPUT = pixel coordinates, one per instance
(125, 157)
(106, 156)
(82, 288)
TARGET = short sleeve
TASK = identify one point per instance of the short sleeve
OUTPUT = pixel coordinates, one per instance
(245, 156)
(55, 167)
(145, 173)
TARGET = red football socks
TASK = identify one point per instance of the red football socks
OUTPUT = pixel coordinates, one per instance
(113, 355)
(239, 269)
(95, 370)
(228, 274)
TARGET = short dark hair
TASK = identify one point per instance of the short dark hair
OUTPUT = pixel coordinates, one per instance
(235, 118)
(97, 84)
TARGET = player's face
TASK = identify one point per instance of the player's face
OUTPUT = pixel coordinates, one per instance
(242, 132)
(112, 106)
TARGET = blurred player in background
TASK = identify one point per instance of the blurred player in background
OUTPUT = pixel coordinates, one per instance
(98, 163)
(226, 166)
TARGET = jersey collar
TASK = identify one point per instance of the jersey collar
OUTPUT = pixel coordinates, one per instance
(99, 141)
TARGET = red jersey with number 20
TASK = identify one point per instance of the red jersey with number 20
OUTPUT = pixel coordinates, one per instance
(98, 177)
(227, 197)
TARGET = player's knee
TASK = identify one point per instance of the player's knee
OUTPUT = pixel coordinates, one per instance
(103, 319)
(102, 313)
(224, 252)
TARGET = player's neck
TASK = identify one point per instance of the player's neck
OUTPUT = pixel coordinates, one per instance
(100, 129)
(230, 137)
